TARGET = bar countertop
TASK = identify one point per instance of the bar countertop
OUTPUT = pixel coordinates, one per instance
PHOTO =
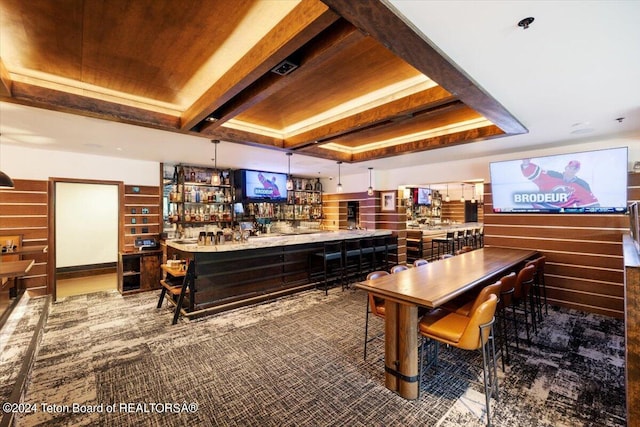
(266, 240)
(428, 230)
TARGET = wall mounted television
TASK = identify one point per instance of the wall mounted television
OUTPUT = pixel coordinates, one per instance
(261, 186)
(580, 182)
(421, 195)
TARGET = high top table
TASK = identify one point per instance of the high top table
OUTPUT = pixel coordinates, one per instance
(430, 285)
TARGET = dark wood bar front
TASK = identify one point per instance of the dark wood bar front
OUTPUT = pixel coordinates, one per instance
(235, 274)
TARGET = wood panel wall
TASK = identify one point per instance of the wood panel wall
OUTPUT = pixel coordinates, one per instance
(334, 210)
(454, 211)
(24, 211)
(585, 268)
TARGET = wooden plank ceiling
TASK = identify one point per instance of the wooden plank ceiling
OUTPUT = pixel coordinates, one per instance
(364, 85)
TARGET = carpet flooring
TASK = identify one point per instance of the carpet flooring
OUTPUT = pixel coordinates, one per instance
(298, 361)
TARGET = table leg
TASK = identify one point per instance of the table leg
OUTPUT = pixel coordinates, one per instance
(401, 349)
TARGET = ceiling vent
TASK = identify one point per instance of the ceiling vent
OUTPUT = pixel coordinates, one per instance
(284, 68)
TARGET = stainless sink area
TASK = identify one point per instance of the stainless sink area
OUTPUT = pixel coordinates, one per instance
(185, 241)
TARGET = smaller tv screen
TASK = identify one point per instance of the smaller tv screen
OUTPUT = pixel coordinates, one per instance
(583, 182)
(268, 186)
(424, 196)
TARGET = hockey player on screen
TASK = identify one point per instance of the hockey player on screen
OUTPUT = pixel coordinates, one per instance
(578, 191)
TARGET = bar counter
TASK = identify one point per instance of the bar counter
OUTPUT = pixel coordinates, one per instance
(230, 275)
(419, 237)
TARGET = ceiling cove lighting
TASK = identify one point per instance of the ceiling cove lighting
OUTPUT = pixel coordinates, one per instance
(339, 188)
(370, 189)
(215, 178)
(289, 180)
(5, 180)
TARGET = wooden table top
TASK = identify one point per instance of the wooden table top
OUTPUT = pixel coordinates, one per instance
(15, 268)
(433, 284)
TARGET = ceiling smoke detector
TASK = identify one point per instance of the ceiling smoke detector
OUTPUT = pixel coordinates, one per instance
(524, 23)
(284, 68)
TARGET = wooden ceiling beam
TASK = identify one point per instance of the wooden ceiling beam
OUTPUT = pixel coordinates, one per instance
(376, 19)
(5, 80)
(338, 37)
(242, 137)
(37, 96)
(456, 138)
(449, 140)
(396, 109)
(304, 22)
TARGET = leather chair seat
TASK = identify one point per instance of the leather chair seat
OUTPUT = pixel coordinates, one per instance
(449, 327)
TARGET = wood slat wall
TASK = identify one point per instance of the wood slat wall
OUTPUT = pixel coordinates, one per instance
(585, 268)
(24, 211)
(454, 211)
(334, 209)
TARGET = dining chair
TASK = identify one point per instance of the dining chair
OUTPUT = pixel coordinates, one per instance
(419, 262)
(398, 268)
(375, 306)
(474, 332)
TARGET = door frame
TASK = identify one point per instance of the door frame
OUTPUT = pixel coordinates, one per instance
(51, 273)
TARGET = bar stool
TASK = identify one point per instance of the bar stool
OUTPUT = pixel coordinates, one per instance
(368, 256)
(375, 306)
(539, 290)
(463, 238)
(380, 253)
(352, 262)
(474, 332)
(522, 298)
(447, 244)
(332, 261)
(392, 246)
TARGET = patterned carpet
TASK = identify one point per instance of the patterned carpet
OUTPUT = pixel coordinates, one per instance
(298, 362)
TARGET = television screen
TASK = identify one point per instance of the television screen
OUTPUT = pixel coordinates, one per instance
(267, 186)
(584, 182)
(424, 196)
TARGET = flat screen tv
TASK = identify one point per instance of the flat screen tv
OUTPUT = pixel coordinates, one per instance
(262, 186)
(424, 196)
(582, 182)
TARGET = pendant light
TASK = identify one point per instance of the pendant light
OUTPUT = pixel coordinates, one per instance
(462, 197)
(215, 178)
(5, 181)
(473, 195)
(447, 198)
(339, 188)
(289, 180)
(370, 189)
